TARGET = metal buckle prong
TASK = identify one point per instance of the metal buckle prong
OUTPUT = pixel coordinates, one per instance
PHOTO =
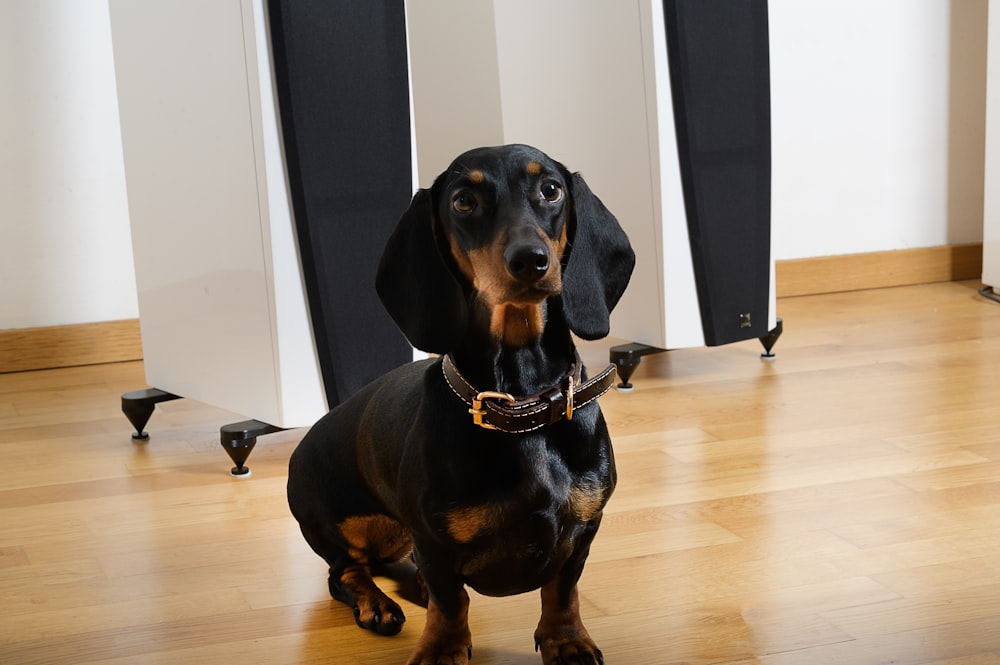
(477, 406)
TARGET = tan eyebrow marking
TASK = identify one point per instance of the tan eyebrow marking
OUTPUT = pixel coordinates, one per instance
(476, 177)
(534, 168)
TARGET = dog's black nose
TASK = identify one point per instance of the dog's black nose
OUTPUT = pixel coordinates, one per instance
(527, 262)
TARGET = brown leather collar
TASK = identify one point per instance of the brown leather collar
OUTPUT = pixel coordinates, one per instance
(500, 411)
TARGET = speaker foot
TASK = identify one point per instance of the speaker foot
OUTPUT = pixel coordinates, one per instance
(138, 406)
(627, 357)
(238, 440)
(770, 339)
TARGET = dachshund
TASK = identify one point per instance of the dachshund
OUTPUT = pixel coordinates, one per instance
(489, 464)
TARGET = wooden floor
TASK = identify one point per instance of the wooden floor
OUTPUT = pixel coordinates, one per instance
(839, 505)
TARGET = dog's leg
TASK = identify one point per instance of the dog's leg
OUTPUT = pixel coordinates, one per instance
(561, 636)
(370, 540)
(446, 640)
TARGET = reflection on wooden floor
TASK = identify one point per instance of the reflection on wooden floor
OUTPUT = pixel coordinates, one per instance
(839, 505)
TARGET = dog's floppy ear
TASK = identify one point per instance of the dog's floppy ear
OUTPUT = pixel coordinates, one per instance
(599, 265)
(416, 286)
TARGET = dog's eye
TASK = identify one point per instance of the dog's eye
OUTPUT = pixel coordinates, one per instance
(464, 202)
(551, 191)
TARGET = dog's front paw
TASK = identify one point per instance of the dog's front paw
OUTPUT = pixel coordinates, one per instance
(373, 610)
(566, 647)
(382, 616)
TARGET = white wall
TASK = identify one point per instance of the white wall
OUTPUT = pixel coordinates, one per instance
(877, 143)
(878, 113)
(65, 250)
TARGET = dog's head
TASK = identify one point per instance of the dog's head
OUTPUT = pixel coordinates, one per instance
(503, 229)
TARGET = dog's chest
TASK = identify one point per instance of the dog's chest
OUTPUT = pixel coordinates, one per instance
(554, 501)
(511, 541)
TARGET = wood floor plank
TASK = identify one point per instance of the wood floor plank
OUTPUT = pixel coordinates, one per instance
(838, 505)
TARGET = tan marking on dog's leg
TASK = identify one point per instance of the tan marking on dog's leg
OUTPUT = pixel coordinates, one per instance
(586, 499)
(561, 636)
(371, 539)
(375, 538)
(444, 640)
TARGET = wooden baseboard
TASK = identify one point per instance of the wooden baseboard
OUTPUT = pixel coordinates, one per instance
(876, 270)
(27, 349)
(115, 341)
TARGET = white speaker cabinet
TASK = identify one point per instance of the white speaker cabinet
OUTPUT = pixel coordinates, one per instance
(222, 305)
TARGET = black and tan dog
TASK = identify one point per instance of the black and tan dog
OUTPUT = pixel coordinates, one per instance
(491, 464)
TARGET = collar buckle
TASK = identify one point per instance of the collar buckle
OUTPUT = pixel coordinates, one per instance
(477, 410)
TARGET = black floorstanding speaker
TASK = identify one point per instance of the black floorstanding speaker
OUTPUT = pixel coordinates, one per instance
(720, 85)
(343, 94)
